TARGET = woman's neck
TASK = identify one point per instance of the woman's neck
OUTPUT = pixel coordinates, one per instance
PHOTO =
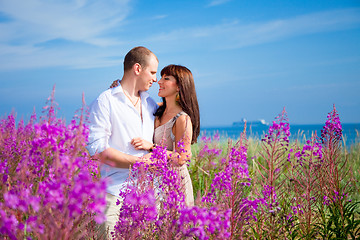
(172, 106)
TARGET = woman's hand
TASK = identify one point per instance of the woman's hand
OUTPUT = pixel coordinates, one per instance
(141, 144)
(147, 159)
(115, 83)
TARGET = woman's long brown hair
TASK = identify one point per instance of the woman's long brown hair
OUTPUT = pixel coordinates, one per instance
(187, 93)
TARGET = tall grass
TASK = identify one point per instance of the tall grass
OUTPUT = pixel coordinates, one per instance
(308, 190)
(267, 188)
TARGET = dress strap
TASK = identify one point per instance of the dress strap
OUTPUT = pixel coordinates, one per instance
(178, 115)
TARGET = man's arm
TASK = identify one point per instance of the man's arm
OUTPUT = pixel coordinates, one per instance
(100, 131)
(116, 158)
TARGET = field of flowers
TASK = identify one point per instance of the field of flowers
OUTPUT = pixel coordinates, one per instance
(249, 189)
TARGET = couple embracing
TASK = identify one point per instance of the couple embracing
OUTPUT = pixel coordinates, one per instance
(126, 123)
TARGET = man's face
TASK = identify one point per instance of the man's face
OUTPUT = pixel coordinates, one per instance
(147, 75)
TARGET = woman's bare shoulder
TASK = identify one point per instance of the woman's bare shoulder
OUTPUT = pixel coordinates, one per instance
(183, 119)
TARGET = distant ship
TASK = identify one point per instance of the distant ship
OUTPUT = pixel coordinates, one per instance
(260, 122)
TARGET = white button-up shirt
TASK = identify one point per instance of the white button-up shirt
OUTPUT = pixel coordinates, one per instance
(114, 121)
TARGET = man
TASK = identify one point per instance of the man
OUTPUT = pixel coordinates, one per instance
(116, 117)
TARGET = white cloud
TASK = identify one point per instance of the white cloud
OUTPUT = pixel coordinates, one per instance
(28, 57)
(217, 2)
(157, 17)
(84, 26)
(35, 21)
(237, 35)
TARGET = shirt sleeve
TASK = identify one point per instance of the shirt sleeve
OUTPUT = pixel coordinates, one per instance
(99, 126)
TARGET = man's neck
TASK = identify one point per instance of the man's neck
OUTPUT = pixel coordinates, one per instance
(129, 85)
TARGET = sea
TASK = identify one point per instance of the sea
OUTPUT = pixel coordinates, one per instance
(351, 132)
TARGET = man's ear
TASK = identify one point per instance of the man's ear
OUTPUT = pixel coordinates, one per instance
(137, 68)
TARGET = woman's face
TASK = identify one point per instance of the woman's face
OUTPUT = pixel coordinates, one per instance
(167, 86)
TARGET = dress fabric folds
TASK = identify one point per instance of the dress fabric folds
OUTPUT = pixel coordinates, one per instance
(163, 136)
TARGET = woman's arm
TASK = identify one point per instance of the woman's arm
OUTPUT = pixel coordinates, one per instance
(141, 144)
(115, 83)
(183, 135)
(182, 131)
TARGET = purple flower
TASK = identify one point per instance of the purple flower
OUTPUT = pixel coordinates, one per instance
(235, 170)
(49, 179)
(332, 131)
(204, 222)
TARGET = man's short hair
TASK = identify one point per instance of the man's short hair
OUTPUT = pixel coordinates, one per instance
(140, 55)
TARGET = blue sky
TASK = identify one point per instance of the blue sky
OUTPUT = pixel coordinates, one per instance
(250, 59)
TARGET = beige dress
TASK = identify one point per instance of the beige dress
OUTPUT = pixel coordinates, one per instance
(164, 136)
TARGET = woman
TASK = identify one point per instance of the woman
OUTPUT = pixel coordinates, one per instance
(177, 120)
